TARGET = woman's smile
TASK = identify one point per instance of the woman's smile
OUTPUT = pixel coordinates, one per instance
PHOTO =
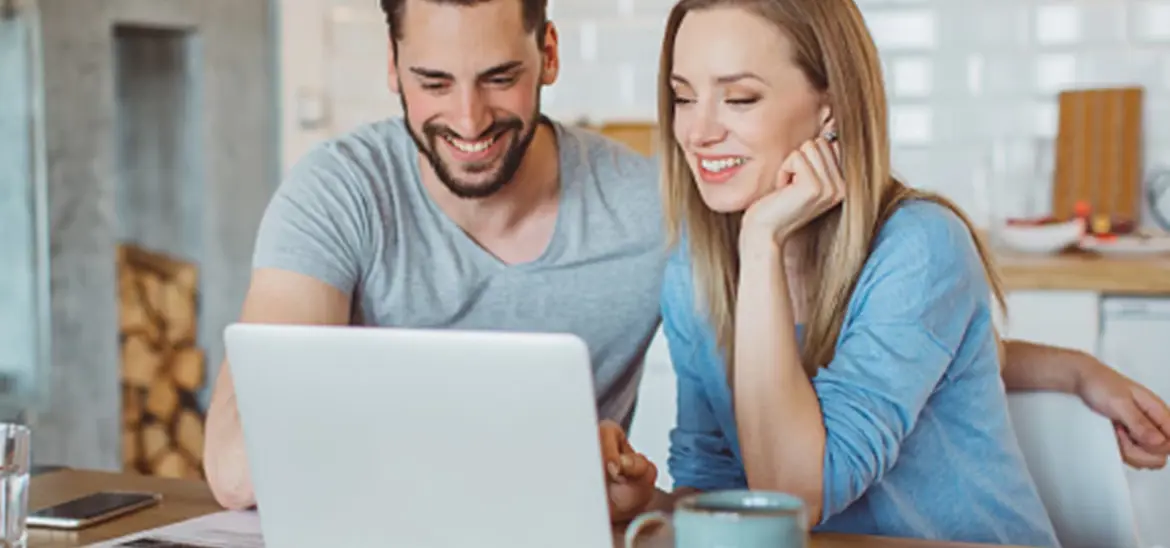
(714, 169)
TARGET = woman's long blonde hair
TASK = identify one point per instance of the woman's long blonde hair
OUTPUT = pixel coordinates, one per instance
(835, 51)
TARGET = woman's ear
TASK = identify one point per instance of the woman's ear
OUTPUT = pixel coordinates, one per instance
(828, 123)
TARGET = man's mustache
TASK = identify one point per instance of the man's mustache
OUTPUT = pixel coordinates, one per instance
(499, 126)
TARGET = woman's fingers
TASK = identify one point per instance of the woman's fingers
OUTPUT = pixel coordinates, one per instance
(812, 155)
(820, 157)
(828, 151)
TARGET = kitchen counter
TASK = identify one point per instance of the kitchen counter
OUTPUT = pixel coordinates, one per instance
(1081, 271)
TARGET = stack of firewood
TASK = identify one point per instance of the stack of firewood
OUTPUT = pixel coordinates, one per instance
(162, 367)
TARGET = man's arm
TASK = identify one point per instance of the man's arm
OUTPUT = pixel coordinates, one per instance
(274, 297)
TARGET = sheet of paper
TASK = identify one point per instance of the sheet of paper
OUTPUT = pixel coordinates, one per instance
(226, 529)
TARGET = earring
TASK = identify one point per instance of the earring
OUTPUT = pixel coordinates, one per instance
(831, 136)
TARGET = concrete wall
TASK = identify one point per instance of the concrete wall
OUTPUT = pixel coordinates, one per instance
(232, 87)
(19, 302)
(158, 196)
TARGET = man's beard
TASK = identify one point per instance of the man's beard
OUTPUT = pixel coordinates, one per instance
(513, 156)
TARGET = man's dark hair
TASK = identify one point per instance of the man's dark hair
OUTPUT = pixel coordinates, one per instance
(535, 15)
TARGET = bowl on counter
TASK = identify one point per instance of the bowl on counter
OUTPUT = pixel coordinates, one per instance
(1045, 236)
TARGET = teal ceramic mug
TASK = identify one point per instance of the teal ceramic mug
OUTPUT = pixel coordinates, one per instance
(731, 519)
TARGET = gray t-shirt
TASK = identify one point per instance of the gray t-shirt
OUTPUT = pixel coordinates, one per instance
(353, 213)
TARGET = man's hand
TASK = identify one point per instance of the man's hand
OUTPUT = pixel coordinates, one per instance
(1141, 420)
(629, 475)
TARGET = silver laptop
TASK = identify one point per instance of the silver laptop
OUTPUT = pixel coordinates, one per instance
(420, 438)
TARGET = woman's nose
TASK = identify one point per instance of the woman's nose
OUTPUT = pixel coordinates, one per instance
(705, 128)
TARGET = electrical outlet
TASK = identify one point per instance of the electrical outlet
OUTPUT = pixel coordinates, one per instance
(8, 382)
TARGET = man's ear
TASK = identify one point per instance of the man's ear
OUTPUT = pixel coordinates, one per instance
(550, 56)
(392, 70)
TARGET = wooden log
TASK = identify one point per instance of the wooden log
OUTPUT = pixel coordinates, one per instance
(132, 406)
(186, 274)
(162, 400)
(177, 308)
(189, 433)
(171, 464)
(131, 316)
(131, 448)
(134, 315)
(162, 366)
(155, 441)
(186, 278)
(140, 361)
(151, 294)
(187, 368)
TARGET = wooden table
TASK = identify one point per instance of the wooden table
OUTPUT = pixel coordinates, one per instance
(188, 499)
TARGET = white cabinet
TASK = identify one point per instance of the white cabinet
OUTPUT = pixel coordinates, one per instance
(1068, 319)
(1136, 340)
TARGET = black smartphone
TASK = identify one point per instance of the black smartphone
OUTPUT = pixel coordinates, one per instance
(90, 509)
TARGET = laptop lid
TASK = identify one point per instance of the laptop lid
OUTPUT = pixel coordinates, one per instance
(422, 438)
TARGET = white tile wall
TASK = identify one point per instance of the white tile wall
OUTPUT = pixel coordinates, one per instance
(959, 73)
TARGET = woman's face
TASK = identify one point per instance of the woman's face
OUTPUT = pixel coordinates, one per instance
(741, 104)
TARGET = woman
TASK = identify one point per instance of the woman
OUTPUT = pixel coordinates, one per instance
(855, 314)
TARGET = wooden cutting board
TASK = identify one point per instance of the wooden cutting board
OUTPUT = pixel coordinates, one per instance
(1098, 153)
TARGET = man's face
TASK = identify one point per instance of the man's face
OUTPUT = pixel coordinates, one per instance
(469, 78)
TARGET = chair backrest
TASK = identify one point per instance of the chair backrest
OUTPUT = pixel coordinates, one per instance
(1073, 457)
(655, 415)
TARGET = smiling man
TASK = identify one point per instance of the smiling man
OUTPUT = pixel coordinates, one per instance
(471, 211)
(474, 211)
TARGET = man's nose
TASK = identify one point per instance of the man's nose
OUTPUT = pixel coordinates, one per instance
(473, 116)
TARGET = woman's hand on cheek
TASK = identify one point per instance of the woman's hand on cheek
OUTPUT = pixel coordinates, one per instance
(808, 184)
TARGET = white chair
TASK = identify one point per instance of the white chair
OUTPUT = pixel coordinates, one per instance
(657, 404)
(1074, 459)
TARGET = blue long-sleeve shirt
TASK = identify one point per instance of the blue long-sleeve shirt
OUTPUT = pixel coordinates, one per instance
(918, 437)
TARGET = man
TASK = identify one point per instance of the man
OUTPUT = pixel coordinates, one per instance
(473, 211)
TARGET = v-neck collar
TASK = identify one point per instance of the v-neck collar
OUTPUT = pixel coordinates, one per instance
(566, 203)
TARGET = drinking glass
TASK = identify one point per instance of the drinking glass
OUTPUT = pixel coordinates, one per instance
(14, 479)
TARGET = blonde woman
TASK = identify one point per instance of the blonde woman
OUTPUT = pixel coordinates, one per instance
(831, 328)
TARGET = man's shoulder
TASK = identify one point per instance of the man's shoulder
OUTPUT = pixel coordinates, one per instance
(331, 209)
(376, 142)
(367, 160)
